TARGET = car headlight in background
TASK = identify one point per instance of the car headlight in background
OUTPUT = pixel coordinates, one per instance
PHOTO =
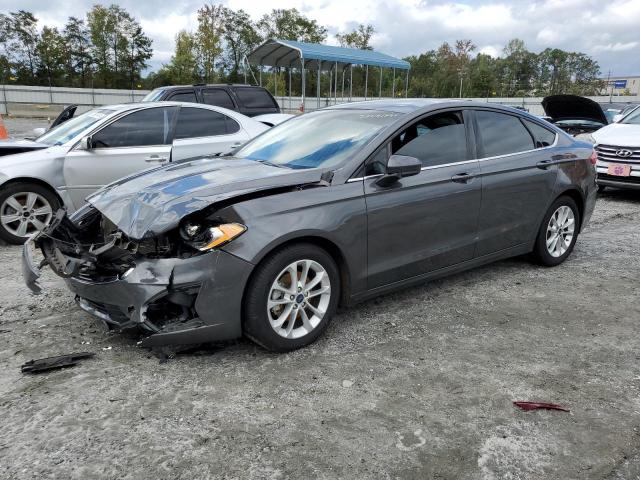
(585, 137)
(205, 238)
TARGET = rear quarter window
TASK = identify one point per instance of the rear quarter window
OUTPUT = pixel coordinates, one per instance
(543, 137)
(255, 98)
(502, 134)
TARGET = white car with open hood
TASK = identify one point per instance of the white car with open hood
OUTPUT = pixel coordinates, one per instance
(89, 151)
(618, 149)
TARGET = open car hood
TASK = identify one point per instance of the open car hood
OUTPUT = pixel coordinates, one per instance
(573, 107)
(153, 202)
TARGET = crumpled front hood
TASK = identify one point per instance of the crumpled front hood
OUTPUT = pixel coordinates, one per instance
(573, 107)
(155, 201)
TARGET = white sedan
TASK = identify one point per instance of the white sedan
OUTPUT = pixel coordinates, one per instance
(87, 152)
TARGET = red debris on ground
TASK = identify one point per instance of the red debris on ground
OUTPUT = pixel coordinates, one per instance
(540, 405)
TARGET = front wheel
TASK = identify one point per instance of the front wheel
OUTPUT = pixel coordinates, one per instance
(291, 297)
(558, 233)
(25, 208)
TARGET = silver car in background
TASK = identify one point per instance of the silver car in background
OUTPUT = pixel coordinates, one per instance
(103, 145)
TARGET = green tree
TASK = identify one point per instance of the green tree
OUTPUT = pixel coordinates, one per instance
(358, 38)
(183, 67)
(240, 37)
(20, 38)
(289, 24)
(78, 46)
(211, 19)
(51, 54)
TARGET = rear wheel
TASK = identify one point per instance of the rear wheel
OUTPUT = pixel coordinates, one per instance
(25, 208)
(291, 297)
(558, 233)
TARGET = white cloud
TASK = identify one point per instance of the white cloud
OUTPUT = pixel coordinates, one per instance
(606, 30)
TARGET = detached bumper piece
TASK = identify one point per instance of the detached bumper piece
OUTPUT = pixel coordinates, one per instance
(52, 363)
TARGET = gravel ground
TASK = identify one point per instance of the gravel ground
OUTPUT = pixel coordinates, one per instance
(416, 384)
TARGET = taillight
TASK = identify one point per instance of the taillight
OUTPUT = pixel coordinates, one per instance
(593, 158)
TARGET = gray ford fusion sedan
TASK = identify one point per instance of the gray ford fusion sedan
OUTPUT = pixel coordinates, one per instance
(331, 207)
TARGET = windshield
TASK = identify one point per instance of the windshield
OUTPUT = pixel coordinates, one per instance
(153, 95)
(319, 139)
(633, 118)
(71, 128)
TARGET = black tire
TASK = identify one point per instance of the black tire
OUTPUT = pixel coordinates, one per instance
(256, 322)
(18, 187)
(601, 188)
(540, 252)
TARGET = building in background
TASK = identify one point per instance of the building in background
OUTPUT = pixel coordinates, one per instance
(622, 85)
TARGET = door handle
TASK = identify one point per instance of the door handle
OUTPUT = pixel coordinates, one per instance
(544, 164)
(462, 178)
(156, 159)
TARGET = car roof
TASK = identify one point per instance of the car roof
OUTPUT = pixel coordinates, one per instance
(411, 105)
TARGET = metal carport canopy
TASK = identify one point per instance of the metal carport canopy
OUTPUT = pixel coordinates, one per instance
(288, 53)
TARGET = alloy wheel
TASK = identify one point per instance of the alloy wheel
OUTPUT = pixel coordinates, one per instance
(560, 231)
(25, 213)
(298, 299)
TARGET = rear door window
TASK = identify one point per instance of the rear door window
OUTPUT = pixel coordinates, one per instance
(543, 137)
(255, 98)
(435, 140)
(201, 122)
(218, 98)
(184, 96)
(151, 126)
(502, 134)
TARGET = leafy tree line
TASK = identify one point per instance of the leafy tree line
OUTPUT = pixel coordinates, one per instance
(108, 48)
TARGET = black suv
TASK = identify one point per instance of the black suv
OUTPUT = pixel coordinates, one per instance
(245, 99)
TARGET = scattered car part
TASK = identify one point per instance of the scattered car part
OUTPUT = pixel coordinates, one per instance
(53, 363)
(539, 405)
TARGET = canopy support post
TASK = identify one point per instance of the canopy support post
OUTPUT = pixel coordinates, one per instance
(350, 82)
(260, 70)
(335, 90)
(303, 78)
(380, 86)
(342, 92)
(275, 82)
(318, 87)
(366, 81)
(393, 85)
(289, 87)
(406, 85)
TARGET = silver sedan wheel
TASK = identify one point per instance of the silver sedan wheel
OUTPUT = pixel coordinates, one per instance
(560, 231)
(24, 213)
(299, 299)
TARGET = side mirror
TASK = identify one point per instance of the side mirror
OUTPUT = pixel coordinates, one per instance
(399, 166)
(403, 166)
(617, 117)
(39, 131)
(86, 143)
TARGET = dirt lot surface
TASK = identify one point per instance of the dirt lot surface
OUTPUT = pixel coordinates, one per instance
(416, 384)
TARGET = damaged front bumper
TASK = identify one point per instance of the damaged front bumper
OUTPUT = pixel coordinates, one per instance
(176, 300)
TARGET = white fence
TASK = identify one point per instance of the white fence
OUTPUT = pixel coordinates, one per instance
(25, 101)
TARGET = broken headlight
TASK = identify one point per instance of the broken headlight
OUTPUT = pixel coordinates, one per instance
(205, 238)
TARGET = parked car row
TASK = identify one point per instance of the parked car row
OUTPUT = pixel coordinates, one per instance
(86, 152)
(333, 206)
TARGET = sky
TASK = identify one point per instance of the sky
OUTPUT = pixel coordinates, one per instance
(609, 31)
